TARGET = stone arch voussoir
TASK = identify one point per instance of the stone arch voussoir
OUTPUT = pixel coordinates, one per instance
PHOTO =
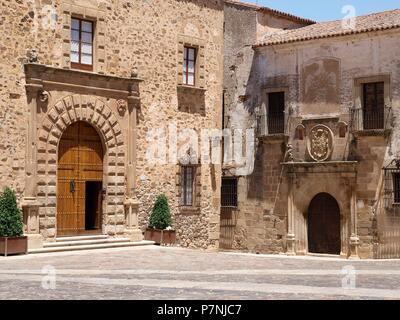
(71, 109)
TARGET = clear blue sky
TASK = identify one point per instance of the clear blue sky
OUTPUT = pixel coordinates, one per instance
(323, 10)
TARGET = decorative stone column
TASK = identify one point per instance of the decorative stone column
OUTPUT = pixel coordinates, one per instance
(290, 237)
(30, 205)
(131, 203)
(354, 240)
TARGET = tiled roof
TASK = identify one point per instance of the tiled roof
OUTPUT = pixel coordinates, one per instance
(271, 11)
(372, 22)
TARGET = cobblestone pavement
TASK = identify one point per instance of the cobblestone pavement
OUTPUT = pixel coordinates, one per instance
(174, 273)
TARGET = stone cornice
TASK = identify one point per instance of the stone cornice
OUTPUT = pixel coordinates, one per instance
(46, 76)
(322, 167)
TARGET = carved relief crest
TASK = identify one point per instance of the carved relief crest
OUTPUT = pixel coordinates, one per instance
(320, 143)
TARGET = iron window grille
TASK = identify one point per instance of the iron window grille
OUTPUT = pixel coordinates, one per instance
(392, 187)
(229, 193)
(187, 183)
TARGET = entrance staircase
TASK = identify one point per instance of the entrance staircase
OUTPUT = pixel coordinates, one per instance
(87, 243)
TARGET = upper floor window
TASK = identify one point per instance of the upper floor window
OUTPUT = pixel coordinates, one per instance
(374, 105)
(189, 66)
(276, 112)
(82, 44)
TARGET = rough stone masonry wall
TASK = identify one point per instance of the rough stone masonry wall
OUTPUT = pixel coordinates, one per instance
(261, 224)
(262, 218)
(141, 36)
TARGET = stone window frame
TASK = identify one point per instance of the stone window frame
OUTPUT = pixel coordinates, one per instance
(359, 97)
(94, 15)
(267, 91)
(199, 45)
(195, 208)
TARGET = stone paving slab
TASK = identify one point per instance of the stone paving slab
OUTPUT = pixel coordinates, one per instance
(174, 273)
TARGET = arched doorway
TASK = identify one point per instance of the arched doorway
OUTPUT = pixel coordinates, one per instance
(79, 181)
(324, 225)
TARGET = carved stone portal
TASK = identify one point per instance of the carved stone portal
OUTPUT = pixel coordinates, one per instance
(320, 143)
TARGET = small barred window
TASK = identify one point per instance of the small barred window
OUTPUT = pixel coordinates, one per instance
(392, 187)
(187, 183)
(229, 196)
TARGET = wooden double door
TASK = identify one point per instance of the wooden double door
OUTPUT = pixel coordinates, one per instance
(324, 225)
(79, 181)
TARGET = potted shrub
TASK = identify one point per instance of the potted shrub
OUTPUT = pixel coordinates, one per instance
(12, 240)
(160, 230)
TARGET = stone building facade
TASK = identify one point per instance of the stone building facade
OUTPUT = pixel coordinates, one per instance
(102, 117)
(103, 104)
(323, 99)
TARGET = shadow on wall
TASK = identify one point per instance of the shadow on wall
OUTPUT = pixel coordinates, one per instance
(255, 185)
(191, 100)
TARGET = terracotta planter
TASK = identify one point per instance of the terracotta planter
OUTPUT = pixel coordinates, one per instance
(160, 236)
(14, 245)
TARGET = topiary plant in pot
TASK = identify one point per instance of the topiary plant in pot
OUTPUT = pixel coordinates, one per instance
(160, 230)
(12, 240)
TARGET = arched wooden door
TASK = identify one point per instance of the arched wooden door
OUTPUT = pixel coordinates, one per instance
(324, 225)
(79, 181)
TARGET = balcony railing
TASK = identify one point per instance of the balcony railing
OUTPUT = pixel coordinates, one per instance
(378, 119)
(271, 125)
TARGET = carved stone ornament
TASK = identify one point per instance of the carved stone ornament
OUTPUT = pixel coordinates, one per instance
(122, 106)
(44, 96)
(320, 143)
(32, 56)
(289, 153)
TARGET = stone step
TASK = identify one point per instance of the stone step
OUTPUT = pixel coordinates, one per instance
(79, 238)
(91, 246)
(83, 242)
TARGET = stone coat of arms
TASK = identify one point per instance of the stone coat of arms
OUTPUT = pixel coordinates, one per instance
(320, 143)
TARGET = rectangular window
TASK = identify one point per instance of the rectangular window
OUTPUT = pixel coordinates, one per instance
(396, 188)
(81, 44)
(276, 112)
(229, 197)
(373, 105)
(189, 66)
(187, 177)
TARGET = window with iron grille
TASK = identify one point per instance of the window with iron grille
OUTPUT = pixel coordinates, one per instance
(187, 184)
(392, 187)
(396, 188)
(373, 105)
(189, 66)
(229, 196)
(276, 112)
(82, 44)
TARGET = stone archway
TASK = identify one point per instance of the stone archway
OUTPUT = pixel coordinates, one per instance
(69, 110)
(79, 181)
(324, 225)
